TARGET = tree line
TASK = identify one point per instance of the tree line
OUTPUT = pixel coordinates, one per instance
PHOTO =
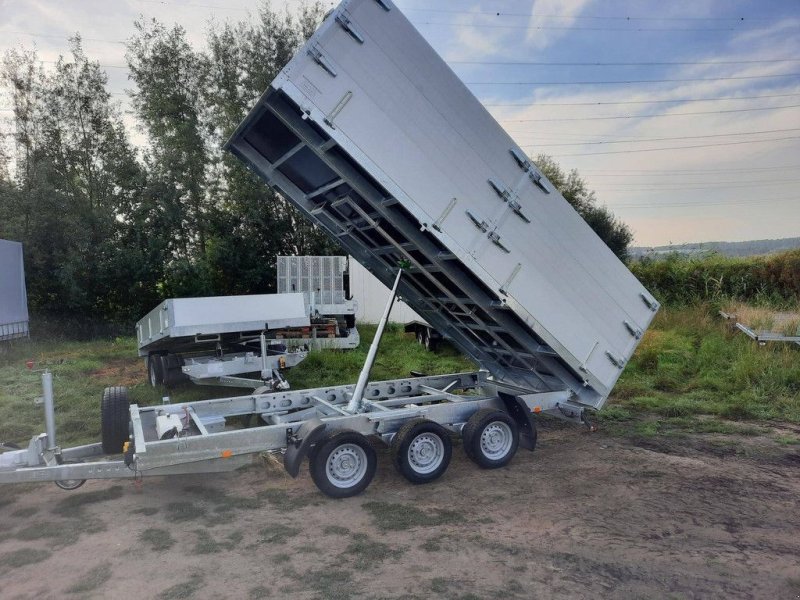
(110, 227)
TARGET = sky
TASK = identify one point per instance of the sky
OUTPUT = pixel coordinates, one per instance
(683, 116)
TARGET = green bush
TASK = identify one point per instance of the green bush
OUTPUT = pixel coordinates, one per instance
(680, 280)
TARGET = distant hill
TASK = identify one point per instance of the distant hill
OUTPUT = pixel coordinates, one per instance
(751, 248)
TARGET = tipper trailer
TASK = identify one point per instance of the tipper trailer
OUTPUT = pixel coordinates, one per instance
(375, 140)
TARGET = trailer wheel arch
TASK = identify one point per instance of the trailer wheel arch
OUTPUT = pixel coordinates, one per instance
(525, 419)
(114, 419)
(350, 471)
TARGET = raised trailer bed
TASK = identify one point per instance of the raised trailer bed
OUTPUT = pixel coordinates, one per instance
(371, 136)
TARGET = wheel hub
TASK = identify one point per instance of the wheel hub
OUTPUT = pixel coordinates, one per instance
(496, 440)
(425, 453)
(347, 464)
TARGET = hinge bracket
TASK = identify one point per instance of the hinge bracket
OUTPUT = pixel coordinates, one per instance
(479, 223)
(384, 5)
(634, 331)
(615, 360)
(344, 20)
(319, 58)
(526, 166)
(508, 198)
(651, 304)
(495, 237)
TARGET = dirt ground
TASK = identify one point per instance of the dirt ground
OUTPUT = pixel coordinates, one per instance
(584, 516)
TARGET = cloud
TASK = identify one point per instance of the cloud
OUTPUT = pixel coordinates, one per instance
(567, 11)
(686, 202)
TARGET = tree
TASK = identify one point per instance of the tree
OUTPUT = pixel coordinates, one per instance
(74, 170)
(616, 234)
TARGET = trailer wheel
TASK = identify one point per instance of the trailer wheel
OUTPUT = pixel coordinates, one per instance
(155, 372)
(70, 484)
(491, 438)
(343, 464)
(114, 419)
(421, 450)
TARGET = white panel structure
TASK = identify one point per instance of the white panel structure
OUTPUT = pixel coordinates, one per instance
(13, 295)
(371, 296)
(190, 317)
(372, 136)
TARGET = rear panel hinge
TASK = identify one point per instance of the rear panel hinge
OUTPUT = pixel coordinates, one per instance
(384, 5)
(517, 208)
(537, 180)
(479, 223)
(344, 20)
(500, 190)
(315, 53)
(522, 161)
(495, 237)
(634, 331)
(615, 360)
(526, 166)
(651, 304)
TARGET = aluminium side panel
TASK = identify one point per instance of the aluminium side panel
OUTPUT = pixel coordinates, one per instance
(13, 294)
(371, 134)
(188, 317)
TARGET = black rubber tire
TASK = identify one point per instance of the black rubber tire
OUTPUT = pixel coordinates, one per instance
(402, 442)
(155, 371)
(70, 484)
(474, 429)
(114, 419)
(321, 454)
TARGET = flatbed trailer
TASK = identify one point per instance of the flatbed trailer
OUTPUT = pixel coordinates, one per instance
(762, 336)
(216, 340)
(376, 141)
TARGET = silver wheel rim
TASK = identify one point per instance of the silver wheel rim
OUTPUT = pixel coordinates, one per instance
(425, 453)
(70, 484)
(346, 465)
(496, 440)
(151, 368)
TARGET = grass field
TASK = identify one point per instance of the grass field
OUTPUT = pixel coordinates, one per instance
(690, 374)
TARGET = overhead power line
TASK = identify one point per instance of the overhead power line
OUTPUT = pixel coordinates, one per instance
(638, 150)
(684, 100)
(626, 81)
(664, 139)
(572, 28)
(757, 202)
(63, 37)
(500, 13)
(673, 172)
(640, 187)
(619, 64)
(681, 114)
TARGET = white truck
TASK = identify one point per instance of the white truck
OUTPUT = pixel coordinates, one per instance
(376, 141)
